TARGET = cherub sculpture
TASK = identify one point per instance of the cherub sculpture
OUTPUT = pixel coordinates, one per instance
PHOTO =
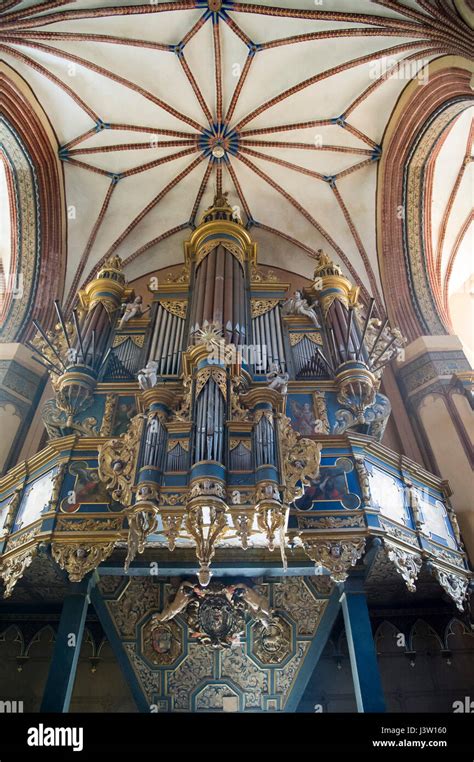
(132, 310)
(148, 376)
(298, 305)
(278, 379)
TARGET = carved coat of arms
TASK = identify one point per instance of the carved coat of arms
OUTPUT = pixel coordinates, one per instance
(215, 614)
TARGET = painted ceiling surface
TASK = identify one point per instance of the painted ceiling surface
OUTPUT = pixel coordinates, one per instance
(158, 105)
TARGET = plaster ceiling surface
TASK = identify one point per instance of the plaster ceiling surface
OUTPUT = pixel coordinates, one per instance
(296, 96)
(452, 203)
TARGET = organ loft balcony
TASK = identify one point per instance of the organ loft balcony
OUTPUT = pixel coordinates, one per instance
(230, 425)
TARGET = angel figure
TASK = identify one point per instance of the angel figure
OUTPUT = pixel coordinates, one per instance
(257, 604)
(148, 376)
(178, 604)
(298, 305)
(303, 418)
(132, 310)
(278, 379)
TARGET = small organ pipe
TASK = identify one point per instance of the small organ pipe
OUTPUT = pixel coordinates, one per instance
(166, 343)
(209, 288)
(163, 316)
(219, 285)
(157, 343)
(229, 321)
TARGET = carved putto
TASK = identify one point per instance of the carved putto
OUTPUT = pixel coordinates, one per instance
(298, 305)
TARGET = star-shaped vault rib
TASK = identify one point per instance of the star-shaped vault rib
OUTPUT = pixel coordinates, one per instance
(433, 30)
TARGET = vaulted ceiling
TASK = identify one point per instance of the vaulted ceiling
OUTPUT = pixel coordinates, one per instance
(157, 105)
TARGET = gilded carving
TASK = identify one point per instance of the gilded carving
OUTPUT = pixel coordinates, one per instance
(182, 276)
(24, 537)
(89, 525)
(183, 443)
(330, 522)
(258, 275)
(217, 374)
(171, 527)
(118, 459)
(136, 338)
(175, 306)
(78, 559)
(108, 417)
(11, 509)
(233, 443)
(300, 460)
(364, 481)
(260, 306)
(337, 556)
(162, 643)
(272, 643)
(207, 487)
(206, 532)
(238, 412)
(293, 596)
(142, 521)
(172, 498)
(13, 567)
(243, 526)
(313, 336)
(183, 412)
(322, 421)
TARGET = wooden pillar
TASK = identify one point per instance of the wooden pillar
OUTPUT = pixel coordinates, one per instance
(363, 656)
(62, 671)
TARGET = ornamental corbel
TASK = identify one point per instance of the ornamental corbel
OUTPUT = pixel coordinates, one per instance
(408, 565)
(117, 460)
(142, 521)
(272, 519)
(454, 585)
(337, 556)
(13, 568)
(171, 527)
(243, 528)
(206, 522)
(78, 559)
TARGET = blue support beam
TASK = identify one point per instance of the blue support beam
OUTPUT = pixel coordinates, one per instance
(364, 665)
(117, 646)
(62, 670)
(315, 650)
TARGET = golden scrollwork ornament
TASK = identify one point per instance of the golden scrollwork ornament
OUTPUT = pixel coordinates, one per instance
(13, 568)
(300, 459)
(118, 459)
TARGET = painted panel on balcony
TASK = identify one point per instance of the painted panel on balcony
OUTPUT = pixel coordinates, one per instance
(388, 495)
(437, 524)
(35, 500)
(86, 489)
(333, 488)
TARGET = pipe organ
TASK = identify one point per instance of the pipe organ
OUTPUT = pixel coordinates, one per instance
(205, 418)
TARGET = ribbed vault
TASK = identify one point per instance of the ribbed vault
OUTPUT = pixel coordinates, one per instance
(157, 105)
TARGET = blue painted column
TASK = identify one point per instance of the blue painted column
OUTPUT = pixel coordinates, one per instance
(62, 670)
(122, 657)
(364, 665)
